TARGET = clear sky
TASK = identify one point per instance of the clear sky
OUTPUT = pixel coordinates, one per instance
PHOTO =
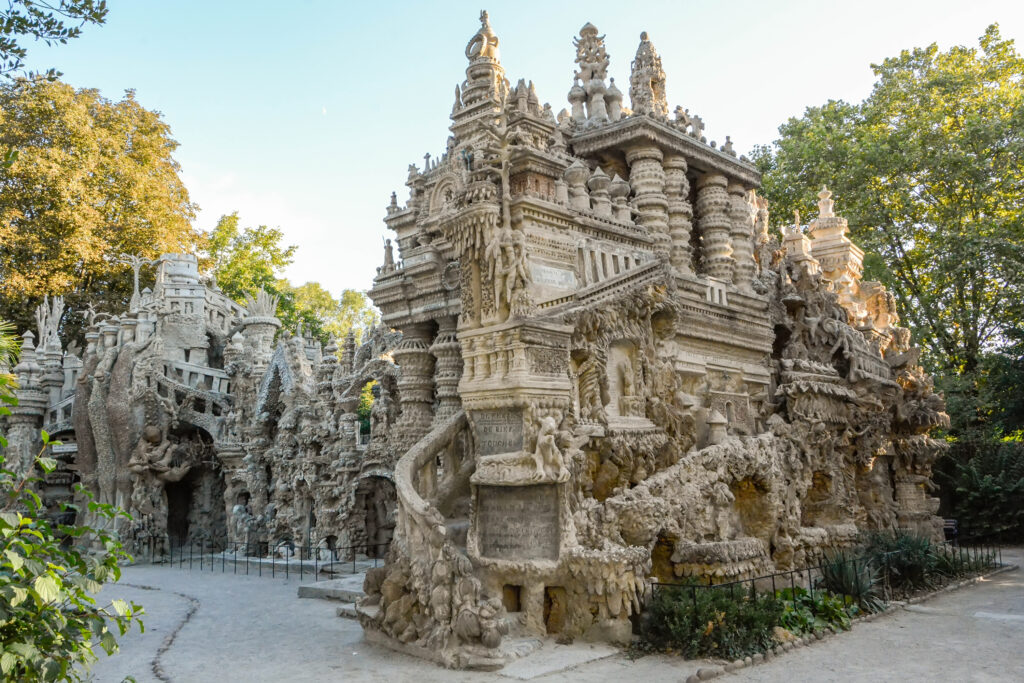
(306, 114)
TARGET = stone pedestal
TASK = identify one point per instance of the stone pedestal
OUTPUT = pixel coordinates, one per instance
(259, 334)
(24, 423)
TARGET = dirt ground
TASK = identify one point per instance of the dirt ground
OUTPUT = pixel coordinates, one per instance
(249, 628)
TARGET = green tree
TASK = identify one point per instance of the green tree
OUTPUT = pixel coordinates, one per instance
(246, 260)
(94, 178)
(323, 315)
(365, 406)
(40, 20)
(928, 171)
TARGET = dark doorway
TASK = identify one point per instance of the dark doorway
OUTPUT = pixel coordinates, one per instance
(179, 502)
(555, 609)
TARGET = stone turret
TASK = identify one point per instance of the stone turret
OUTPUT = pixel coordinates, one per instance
(647, 81)
(841, 260)
(485, 87)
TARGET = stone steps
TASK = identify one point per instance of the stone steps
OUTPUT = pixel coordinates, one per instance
(347, 611)
(347, 590)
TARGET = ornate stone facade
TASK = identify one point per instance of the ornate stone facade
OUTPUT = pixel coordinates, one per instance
(652, 385)
(605, 371)
(186, 413)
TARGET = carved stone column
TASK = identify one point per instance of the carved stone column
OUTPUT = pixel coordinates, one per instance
(742, 214)
(680, 213)
(647, 178)
(713, 220)
(416, 385)
(448, 369)
(26, 418)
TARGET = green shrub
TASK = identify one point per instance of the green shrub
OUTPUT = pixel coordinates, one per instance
(906, 559)
(50, 621)
(988, 490)
(847, 574)
(806, 613)
(710, 622)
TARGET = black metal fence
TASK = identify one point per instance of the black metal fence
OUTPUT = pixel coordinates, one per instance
(975, 555)
(256, 558)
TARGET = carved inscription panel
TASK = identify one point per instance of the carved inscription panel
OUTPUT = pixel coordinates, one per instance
(561, 278)
(518, 522)
(498, 431)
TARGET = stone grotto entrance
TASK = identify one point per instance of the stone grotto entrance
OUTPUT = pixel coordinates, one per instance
(375, 499)
(195, 503)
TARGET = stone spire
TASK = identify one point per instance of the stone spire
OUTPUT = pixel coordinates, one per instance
(485, 78)
(647, 81)
(593, 61)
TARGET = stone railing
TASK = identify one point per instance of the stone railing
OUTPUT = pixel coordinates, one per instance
(607, 289)
(198, 377)
(415, 471)
(60, 411)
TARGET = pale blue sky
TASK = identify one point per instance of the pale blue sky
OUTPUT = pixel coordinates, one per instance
(306, 114)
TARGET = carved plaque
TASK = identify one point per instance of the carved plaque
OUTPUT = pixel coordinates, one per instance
(498, 431)
(562, 278)
(518, 522)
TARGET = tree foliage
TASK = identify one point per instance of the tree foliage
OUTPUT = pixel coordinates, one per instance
(246, 260)
(41, 20)
(93, 179)
(928, 170)
(323, 315)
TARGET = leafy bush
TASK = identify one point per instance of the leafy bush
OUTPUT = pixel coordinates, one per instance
(906, 559)
(710, 622)
(806, 613)
(988, 488)
(846, 574)
(49, 620)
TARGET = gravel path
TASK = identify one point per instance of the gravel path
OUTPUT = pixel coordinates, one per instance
(225, 628)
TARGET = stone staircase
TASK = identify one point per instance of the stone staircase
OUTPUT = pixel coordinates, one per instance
(345, 590)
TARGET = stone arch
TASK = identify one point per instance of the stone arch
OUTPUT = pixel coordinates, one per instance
(444, 192)
(194, 504)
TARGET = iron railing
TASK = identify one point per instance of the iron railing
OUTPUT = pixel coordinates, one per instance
(976, 555)
(259, 559)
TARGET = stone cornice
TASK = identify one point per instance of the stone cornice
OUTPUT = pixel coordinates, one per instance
(643, 129)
